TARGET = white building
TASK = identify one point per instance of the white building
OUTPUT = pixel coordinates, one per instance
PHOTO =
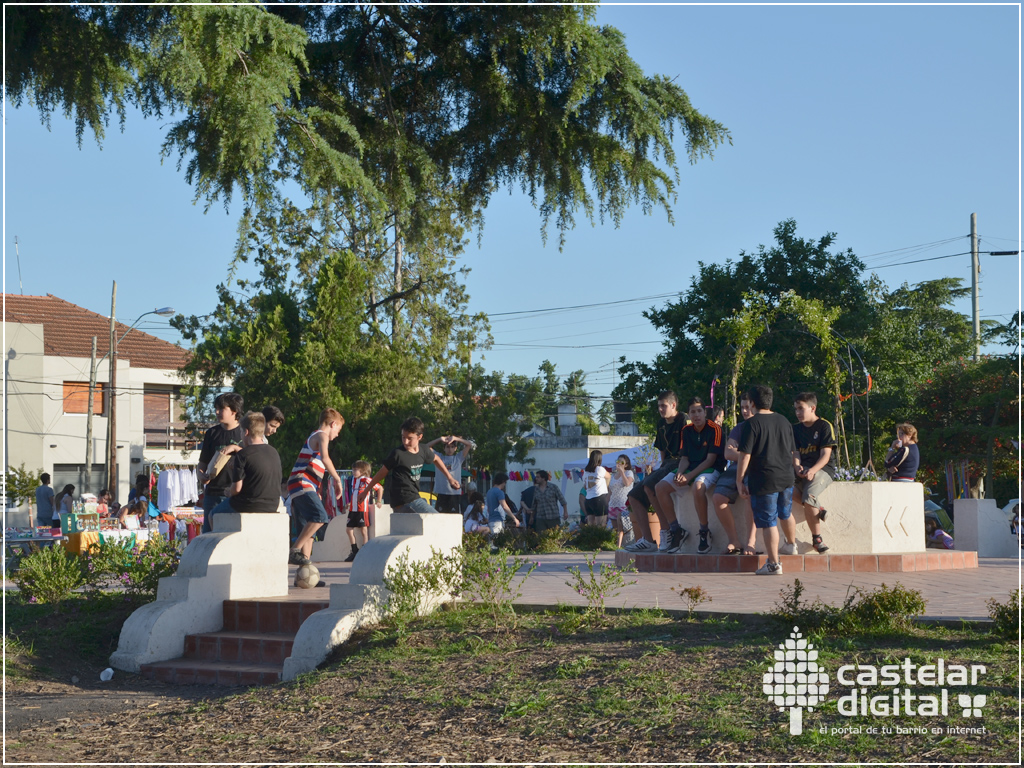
(552, 451)
(48, 344)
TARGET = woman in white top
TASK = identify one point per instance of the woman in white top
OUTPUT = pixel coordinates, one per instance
(618, 487)
(595, 480)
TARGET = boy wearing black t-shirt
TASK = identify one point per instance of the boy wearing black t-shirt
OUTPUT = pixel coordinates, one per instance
(643, 495)
(255, 471)
(701, 461)
(406, 464)
(766, 462)
(219, 442)
(813, 461)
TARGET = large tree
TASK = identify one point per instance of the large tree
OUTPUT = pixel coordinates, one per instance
(395, 124)
(898, 336)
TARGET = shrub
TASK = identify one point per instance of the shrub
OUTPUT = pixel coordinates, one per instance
(593, 538)
(552, 540)
(596, 587)
(144, 568)
(693, 596)
(48, 575)
(409, 582)
(883, 610)
(490, 579)
(1006, 616)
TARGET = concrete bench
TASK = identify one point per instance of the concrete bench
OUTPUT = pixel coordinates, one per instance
(863, 518)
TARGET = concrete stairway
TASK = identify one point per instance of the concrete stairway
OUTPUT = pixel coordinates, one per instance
(250, 650)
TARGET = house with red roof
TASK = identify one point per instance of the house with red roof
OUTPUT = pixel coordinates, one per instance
(48, 346)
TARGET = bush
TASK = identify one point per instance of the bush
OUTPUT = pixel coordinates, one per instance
(1006, 616)
(593, 538)
(597, 587)
(883, 610)
(48, 575)
(552, 540)
(144, 568)
(489, 579)
(408, 582)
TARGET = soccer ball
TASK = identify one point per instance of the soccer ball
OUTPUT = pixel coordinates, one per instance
(307, 577)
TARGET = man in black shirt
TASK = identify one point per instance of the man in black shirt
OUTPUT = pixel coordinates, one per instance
(766, 462)
(220, 441)
(255, 472)
(814, 462)
(643, 495)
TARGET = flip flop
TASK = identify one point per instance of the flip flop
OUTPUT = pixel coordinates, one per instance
(731, 550)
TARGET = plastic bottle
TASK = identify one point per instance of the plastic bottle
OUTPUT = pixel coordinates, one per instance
(107, 675)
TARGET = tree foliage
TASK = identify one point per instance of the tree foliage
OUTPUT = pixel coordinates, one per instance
(392, 104)
(739, 316)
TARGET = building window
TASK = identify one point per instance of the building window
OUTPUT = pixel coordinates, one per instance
(76, 397)
(162, 417)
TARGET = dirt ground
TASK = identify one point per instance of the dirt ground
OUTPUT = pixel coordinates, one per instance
(673, 692)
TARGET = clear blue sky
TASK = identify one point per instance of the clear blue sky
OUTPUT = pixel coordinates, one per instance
(888, 125)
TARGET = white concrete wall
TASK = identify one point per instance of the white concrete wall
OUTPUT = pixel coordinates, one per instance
(980, 525)
(863, 518)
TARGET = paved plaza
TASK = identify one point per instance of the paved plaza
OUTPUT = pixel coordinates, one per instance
(953, 594)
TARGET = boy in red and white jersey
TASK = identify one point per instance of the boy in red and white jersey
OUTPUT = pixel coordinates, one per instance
(359, 511)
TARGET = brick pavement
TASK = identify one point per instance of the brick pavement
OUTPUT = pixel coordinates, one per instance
(954, 594)
(959, 594)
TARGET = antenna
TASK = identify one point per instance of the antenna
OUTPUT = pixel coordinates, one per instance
(18, 255)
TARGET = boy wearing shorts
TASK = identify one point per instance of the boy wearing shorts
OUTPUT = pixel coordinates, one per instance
(701, 461)
(359, 513)
(813, 461)
(304, 484)
(643, 495)
(766, 463)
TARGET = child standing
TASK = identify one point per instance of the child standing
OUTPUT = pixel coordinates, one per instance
(359, 512)
(406, 462)
(498, 509)
(453, 458)
(304, 483)
(620, 485)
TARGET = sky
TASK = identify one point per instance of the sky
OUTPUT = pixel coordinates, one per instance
(887, 125)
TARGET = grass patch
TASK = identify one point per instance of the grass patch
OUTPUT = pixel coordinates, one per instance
(621, 690)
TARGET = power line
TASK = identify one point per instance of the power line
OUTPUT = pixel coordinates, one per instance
(948, 256)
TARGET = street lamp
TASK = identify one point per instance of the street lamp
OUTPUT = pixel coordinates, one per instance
(111, 483)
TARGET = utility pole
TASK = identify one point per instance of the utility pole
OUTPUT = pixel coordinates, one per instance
(975, 271)
(111, 425)
(88, 421)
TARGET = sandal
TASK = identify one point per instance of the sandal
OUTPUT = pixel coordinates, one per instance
(819, 545)
(731, 550)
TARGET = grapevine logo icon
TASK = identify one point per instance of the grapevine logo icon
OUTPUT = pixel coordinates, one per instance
(796, 681)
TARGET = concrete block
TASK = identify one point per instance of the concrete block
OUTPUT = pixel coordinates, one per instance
(335, 546)
(979, 525)
(362, 600)
(245, 556)
(863, 518)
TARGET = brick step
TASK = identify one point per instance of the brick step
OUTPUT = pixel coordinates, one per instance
(934, 560)
(278, 615)
(244, 647)
(200, 672)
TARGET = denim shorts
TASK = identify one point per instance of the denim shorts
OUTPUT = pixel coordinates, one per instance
(726, 486)
(420, 506)
(769, 508)
(308, 508)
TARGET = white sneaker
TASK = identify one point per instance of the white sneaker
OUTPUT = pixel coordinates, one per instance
(789, 548)
(642, 545)
(769, 569)
(665, 542)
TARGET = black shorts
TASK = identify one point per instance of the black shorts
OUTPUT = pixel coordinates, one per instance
(448, 503)
(357, 519)
(637, 491)
(597, 506)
